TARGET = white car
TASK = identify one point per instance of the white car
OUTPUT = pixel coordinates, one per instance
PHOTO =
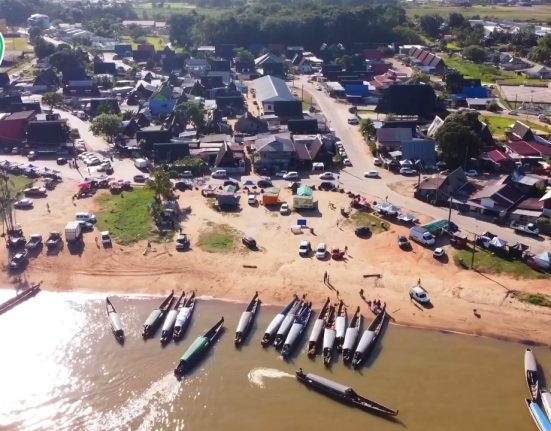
(106, 238)
(327, 176)
(371, 174)
(377, 161)
(418, 294)
(438, 253)
(284, 208)
(321, 250)
(291, 176)
(281, 174)
(251, 199)
(220, 173)
(304, 248)
(347, 162)
(472, 173)
(408, 171)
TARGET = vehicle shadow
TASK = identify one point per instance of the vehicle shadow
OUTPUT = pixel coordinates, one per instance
(76, 248)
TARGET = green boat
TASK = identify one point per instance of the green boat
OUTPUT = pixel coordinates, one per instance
(198, 348)
(156, 316)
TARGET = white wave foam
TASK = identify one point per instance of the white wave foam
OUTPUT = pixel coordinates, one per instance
(257, 375)
(150, 404)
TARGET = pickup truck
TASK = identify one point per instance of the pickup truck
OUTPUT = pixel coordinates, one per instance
(528, 229)
(53, 241)
(34, 242)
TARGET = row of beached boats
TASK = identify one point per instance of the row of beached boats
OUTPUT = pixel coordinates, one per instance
(330, 331)
(539, 403)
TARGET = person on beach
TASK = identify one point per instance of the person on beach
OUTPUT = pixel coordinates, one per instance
(362, 293)
(48, 206)
(325, 277)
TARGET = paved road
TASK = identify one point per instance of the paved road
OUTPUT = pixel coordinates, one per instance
(352, 177)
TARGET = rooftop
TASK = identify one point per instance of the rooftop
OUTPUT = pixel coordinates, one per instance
(272, 89)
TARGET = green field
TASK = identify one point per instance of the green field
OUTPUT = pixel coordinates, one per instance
(172, 8)
(126, 215)
(533, 298)
(158, 42)
(539, 13)
(362, 218)
(489, 263)
(498, 125)
(218, 238)
(17, 44)
(19, 182)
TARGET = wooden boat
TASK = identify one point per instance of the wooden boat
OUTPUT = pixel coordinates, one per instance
(546, 402)
(317, 330)
(531, 372)
(329, 335)
(287, 323)
(274, 325)
(156, 317)
(342, 393)
(183, 318)
(19, 298)
(299, 325)
(116, 324)
(198, 348)
(245, 322)
(542, 421)
(170, 320)
(351, 336)
(340, 326)
(369, 337)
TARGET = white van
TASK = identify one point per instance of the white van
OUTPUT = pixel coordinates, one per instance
(421, 235)
(219, 173)
(85, 216)
(141, 163)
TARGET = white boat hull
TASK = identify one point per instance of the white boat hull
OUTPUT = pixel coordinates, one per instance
(350, 338)
(329, 336)
(115, 322)
(340, 326)
(183, 316)
(275, 324)
(316, 331)
(294, 333)
(365, 342)
(286, 324)
(244, 321)
(170, 320)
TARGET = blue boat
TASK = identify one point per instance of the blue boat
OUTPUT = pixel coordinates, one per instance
(538, 415)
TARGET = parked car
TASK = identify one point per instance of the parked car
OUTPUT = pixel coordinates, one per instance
(281, 174)
(371, 174)
(219, 173)
(106, 238)
(86, 226)
(183, 185)
(140, 178)
(408, 171)
(35, 191)
(347, 162)
(513, 113)
(471, 173)
(291, 176)
(34, 242)
(251, 199)
(182, 242)
(284, 208)
(404, 243)
(421, 235)
(18, 261)
(85, 216)
(327, 176)
(438, 253)
(377, 161)
(304, 248)
(353, 121)
(186, 174)
(362, 231)
(31, 155)
(54, 240)
(24, 204)
(321, 250)
(417, 293)
(326, 185)
(249, 241)
(264, 184)
(15, 243)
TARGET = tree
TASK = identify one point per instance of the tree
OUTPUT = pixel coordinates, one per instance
(493, 106)
(419, 78)
(475, 53)
(454, 81)
(430, 24)
(105, 108)
(52, 99)
(456, 20)
(244, 56)
(34, 33)
(136, 31)
(346, 62)
(127, 115)
(367, 127)
(160, 184)
(43, 49)
(104, 81)
(190, 112)
(540, 54)
(458, 140)
(107, 125)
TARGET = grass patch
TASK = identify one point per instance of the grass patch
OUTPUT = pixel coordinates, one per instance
(18, 183)
(127, 216)
(489, 263)
(486, 72)
(533, 298)
(17, 44)
(362, 218)
(147, 11)
(498, 125)
(519, 13)
(218, 238)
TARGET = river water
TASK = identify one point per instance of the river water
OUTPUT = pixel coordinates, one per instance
(61, 369)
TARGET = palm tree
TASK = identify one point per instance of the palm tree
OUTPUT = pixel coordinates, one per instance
(160, 184)
(367, 127)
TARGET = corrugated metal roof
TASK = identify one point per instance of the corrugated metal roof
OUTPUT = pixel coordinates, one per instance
(272, 89)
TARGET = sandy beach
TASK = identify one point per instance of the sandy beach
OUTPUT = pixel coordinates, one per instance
(277, 271)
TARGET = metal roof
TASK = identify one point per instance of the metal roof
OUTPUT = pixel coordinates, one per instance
(272, 89)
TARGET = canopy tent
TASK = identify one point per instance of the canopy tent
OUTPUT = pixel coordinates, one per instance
(544, 259)
(498, 242)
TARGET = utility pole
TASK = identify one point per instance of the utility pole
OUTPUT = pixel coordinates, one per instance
(474, 248)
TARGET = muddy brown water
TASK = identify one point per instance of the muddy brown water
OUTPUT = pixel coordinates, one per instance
(61, 369)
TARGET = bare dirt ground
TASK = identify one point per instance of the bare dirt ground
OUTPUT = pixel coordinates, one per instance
(280, 272)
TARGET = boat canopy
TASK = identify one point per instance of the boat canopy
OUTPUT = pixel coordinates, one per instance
(198, 344)
(115, 322)
(365, 341)
(539, 417)
(153, 316)
(243, 321)
(345, 390)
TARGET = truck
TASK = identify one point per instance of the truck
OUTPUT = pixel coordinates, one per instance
(528, 229)
(73, 231)
(34, 242)
(421, 235)
(53, 241)
(141, 163)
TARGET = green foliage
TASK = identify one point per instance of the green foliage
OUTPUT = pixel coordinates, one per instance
(127, 115)
(67, 57)
(456, 20)
(544, 225)
(453, 80)
(190, 162)
(160, 184)
(42, 48)
(533, 298)
(218, 238)
(493, 106)
(346, 62)
(430, 24)
(136, 31)
(419, 78)
(458, 140)
(475, 53)
(107, 125)
(52, 99)
(104, 81)
(127, 216)
(367, 127)
(190, 112)
(244, 56)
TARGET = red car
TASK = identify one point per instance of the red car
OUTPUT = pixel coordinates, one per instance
(35, 191)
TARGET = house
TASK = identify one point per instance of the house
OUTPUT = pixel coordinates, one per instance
(546, 199)
(86, 88)
(162, 102)
(220, 65)
(390, 139)
(420, 149)
(390, 77)
(250, 125)
(427, 62)
(301, 126)
(496, 199)
(105, 68)
(497, 160)
(46, 79)
(438, 189)
(527, 150)
(73, 73)
(479, 103)
(123, 49)
(521, 132)
(231, 157)
(513, 63)
(13, 127)
(527, 211)
(310, 149)
(169, 152)
(7, 103)
(38, 20)
(196, 66)
(269, 90)
(269, 64)
(415, 99)
(145, 138)
(526, 183)
(47, 135)
(538, 72)
(274, 152)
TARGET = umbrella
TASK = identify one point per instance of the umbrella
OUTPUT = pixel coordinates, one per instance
(498, 242)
